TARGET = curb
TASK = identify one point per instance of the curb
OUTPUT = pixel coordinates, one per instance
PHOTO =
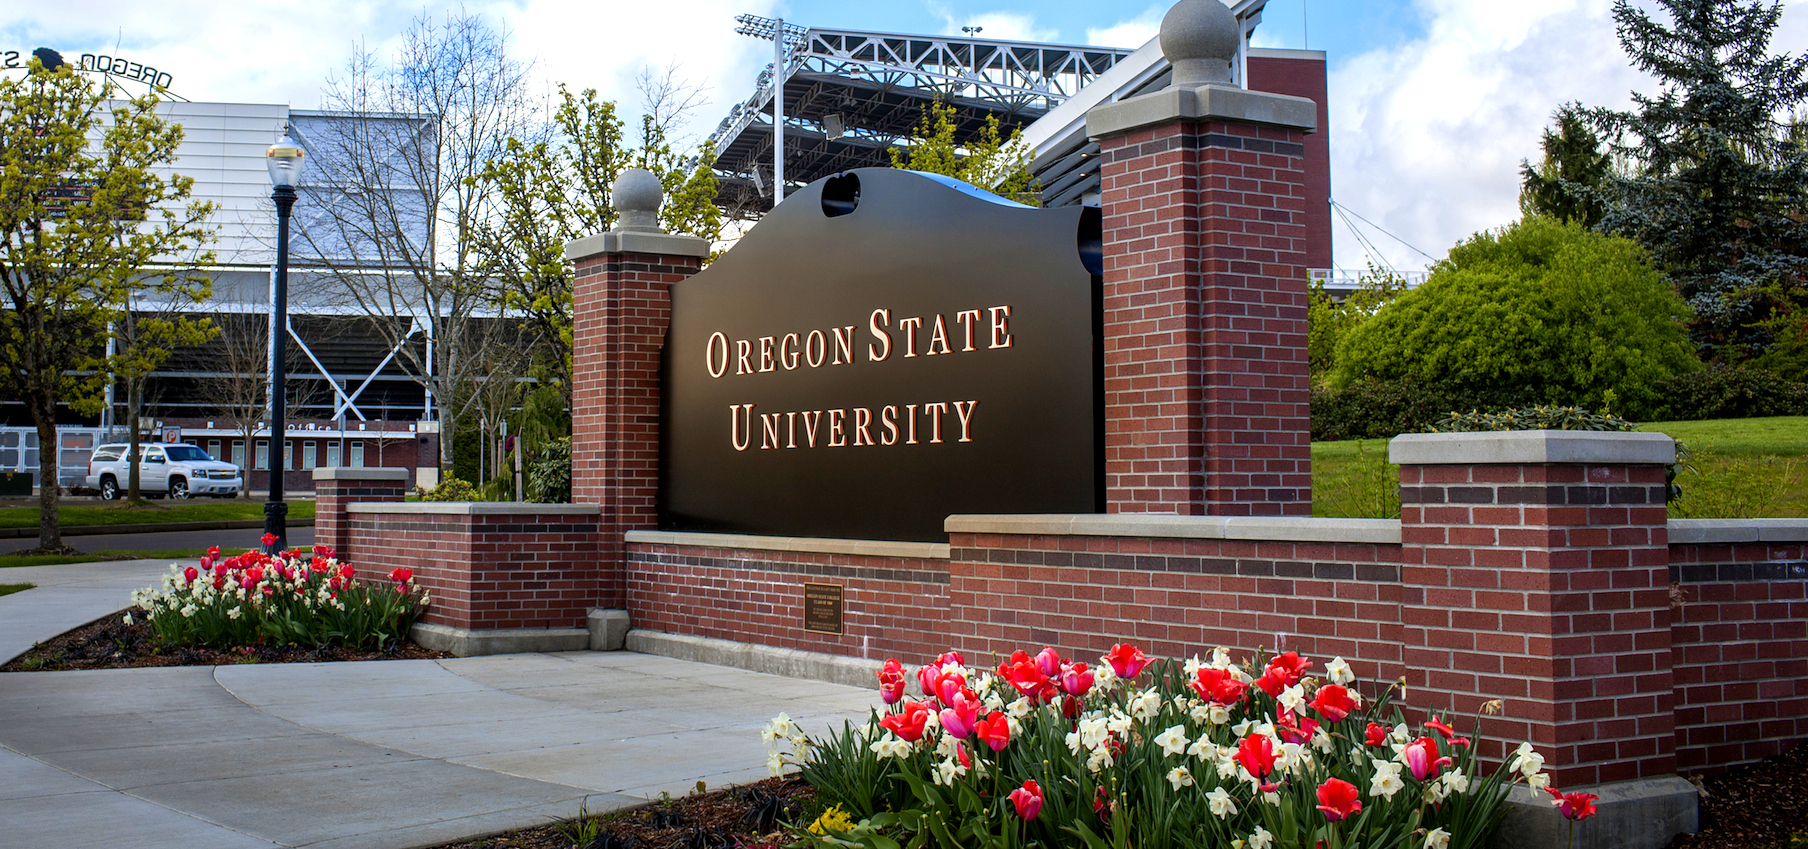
(153, 528)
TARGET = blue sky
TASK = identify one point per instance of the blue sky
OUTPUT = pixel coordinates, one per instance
(1434, 103)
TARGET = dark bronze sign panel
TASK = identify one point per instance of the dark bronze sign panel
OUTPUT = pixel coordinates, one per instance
(822, 608)
(885, 349)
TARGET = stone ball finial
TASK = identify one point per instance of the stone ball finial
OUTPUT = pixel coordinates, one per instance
(1200, 39)
(637, 196)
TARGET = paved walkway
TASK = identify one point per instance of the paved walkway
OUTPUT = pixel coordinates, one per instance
(387, 754)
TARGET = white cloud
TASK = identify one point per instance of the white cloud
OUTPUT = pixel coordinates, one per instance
(1130, 32)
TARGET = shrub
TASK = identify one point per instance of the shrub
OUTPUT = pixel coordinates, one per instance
(1532, 418)
(1370, 409)
(1540, 312)
(1157, 755)
(450, 488)
(259, 598)
(1737, 392)
(548, 473)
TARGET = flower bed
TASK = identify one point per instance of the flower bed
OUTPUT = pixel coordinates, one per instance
(288, 599)
(1050, 752)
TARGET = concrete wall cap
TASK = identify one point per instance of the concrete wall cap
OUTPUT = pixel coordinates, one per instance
(637, 196)
(1700, 531)
(815, 545)
(475, 508)
(347, 473)
(1530, 446)
(1167, 526)
(635, 242)
(791, 663)
(1207, 102)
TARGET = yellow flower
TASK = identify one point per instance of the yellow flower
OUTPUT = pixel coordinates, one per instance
(833, 819)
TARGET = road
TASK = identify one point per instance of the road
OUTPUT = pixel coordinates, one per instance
(229, 541)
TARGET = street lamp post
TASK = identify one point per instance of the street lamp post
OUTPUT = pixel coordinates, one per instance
(284, 160)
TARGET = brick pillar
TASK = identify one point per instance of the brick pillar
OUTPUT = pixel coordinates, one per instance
(1535, 569)
(1205, 301)
(621, 306)
(335, 487)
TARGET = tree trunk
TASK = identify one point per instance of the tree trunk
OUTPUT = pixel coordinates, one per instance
(134, 388)
(50, 530)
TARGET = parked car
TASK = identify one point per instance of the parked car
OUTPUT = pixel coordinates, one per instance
(178, 470)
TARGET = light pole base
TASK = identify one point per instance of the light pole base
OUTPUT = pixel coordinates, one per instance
(276, 530)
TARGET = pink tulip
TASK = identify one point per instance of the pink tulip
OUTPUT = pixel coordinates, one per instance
(1076, 680)
(1422, 758)
(1049, 661)
(1028, 800)
(891, 682)
(962, 714)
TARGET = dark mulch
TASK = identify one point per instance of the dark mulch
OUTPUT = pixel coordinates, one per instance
(749, 817)
(1756, 806)
(109, 643)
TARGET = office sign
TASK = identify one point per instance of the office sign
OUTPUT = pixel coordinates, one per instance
(884, 349)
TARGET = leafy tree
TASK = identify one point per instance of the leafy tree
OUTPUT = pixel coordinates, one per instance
(1540, 312)
(1329, 320)
(551, 191)
(1719, 186)
(84, 215)
(1568, 185)
(990, 161)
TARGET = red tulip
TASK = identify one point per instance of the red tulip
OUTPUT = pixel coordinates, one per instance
(1126, 660)
(1028, 800)
(1025, 677)
(1338, 799)
(1049, 661)
(1576, 806)
(1440, 727)
(1076, 680)
(994, 731)
(891, 682)
(400, 575)
(1422, 758)
(951, 657)
(1375, 735)
(190, 574)
(1333, 702)
(961, 714)
(908, 723)
(1273, 681)
(268, 539)
(1295, 730)
(947, 685)
(1218, 685)
(1257, 755)
(1291, 666)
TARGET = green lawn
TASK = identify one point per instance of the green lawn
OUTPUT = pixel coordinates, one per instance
(12, 560)
(95, 513)
(1736, 469)
(9, 589)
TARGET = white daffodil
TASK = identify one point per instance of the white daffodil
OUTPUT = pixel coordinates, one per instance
(1103, 678)
(775, 764)
(1455, 781)
(128, 619)
(1227, 765)
(1322, 740)
(1200, 712)
(1192, 666)
(779, 727)
(189, 611)
(891, 746)
(233, 612)
(1241, 729)
(1203, 749)
(1172, 741)
(1538, 780)
(1530, 762)
(1146, 705)
(1293, 698)
(1119, 723)
(1221, 804)
(1261, 839)
(1093, 731)
(1220, 658)
(1386, 781)
(1100, 758)
(947, 771)
(1272, 799)
(1218, 714)
(993, 703)
(1180, 777)
(1339, 671)
(1437, 838)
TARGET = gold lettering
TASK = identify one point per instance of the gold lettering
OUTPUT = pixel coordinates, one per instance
(769, 430)
(935, 423)
(939, 337)
(709, 355)
(966, 318)
(740, 435)
(910, 433)
(844, 345)
(1001, 334)
(889, 418)
(816, 347)
(766, 343)
(743, 353)
(791, 429)
(863, 419)
(837, 439)
(811, 419)
(879, 318)
(787, 351)
(964, 409)
(909, 326)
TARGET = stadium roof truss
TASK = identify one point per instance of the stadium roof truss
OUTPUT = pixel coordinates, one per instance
(850, 96)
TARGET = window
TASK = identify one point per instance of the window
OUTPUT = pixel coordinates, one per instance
(263, 454)
(213, 449)
(238, 454)
(288, 454)
(108, 454)
(332, 454)
(309, 454)
(357, 455)
(186, 454)
(152, 454)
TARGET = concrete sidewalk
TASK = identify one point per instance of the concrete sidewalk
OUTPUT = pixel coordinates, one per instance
(385, 754)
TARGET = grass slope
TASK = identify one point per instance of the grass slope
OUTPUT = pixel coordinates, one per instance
(8, 561)
(9, 589)
(97, 513)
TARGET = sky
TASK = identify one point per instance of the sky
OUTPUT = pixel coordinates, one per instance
(1434, 103)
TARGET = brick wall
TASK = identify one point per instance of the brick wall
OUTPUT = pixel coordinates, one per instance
(521, 569)
(1176, 597)
(1205, 320)
(1544, 585)
(1739, 644)
(894, 606)
(334, 491)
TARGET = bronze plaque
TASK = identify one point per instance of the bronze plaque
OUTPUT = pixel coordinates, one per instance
(822, 608)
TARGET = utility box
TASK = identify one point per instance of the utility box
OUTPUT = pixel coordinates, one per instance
(15, 484)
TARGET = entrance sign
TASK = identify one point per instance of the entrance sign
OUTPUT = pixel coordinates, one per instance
(884, 349)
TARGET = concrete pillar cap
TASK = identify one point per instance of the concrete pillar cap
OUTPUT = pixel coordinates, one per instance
(1200, 39)
(637, 196)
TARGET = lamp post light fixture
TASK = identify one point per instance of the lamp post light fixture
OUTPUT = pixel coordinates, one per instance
(284, 160)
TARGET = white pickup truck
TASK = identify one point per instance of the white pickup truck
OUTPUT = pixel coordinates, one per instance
(176, 470)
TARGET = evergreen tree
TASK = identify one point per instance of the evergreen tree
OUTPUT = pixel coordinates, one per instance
(1569, 184)
(1719, 185)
